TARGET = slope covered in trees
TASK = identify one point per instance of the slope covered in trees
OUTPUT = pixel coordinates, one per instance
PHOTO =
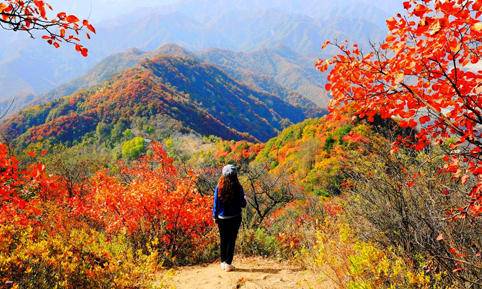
(279, 71)
(161, 95)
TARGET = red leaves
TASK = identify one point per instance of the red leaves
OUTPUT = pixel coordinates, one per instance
(72, 19)
(62, 15)
(157, 197)
(84, 51)
(353, 137)
(391, 23)
(41, 8)
(16, 184)
(89, 26)
(424, 119)
(32, 15)
(421, 67)
(420, 10)
(406, 5)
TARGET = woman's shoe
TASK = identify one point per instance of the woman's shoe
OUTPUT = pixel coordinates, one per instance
(223, 266)
(229, 268)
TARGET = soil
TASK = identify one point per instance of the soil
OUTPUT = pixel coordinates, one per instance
(250, 273)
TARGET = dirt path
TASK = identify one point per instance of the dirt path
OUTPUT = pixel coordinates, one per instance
(251, 273)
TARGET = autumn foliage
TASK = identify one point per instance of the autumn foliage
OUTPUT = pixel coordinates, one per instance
(151, 199)
(147, 210)
(31, 16)
(425, 75)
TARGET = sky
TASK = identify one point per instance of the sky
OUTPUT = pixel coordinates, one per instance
(99, 10)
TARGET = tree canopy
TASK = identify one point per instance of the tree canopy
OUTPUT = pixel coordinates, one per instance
(33, 16)
(425, 75)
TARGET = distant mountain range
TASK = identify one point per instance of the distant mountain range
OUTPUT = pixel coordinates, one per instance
(30, 68)
(164, 92)
(279, 72)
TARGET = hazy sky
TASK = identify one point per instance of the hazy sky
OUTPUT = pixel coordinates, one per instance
(99, 10)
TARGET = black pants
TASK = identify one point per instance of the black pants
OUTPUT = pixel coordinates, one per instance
(228, 231)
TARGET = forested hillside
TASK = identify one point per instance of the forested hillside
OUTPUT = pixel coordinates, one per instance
(161, 96)
(280, 72)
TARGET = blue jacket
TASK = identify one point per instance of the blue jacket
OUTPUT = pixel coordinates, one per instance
(220, 211)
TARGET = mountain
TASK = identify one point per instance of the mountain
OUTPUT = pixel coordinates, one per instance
(30, 67)
(202, 10)
(291, 84)
(162, 94)
(272, 69)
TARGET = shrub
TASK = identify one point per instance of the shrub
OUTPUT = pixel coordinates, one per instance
(80, 258)
(403, 200)
(355, 264)
(151, 200)
(257, 242)
(133, 148)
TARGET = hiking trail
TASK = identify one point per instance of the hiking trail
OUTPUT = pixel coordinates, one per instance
(250, 273)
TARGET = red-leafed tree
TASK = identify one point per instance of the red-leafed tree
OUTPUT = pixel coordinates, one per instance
(25, 192)
(151, 199)
(34, 15)
(426, 74)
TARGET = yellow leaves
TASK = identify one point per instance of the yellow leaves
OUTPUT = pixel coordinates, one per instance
(435, 27)
(477, 27)
(359, 264)
(84, 256)
(454, 46)
(399, 77)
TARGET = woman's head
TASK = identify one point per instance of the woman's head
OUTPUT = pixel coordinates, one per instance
(229, 187)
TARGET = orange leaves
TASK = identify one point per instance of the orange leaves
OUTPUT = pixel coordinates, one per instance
(420, 10)
(421, 66)
(325, 44)
(89, 26)
(72, 19)
(424, 119)
(435, 27)
(32, 15)
(157, 198)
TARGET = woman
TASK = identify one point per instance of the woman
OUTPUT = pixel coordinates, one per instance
(228, 201)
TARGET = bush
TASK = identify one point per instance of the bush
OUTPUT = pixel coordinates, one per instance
(355, 264)
(80, 258)
(133, 148)
(403, 200)
(257, 242)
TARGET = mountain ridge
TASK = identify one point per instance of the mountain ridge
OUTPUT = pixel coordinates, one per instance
(36, 68)
(163, 93)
